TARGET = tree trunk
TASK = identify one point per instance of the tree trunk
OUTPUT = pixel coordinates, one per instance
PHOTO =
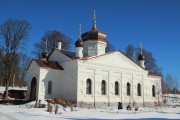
(6, 89)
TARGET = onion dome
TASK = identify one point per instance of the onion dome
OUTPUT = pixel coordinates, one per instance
(79, 43)
(141, 57)
(45, 55)
(94, 34)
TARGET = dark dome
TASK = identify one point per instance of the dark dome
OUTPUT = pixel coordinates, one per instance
(94, 34)
(79, 43)
(141, 57)
(45, 55)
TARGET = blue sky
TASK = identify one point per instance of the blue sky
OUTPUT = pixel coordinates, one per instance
(154, 22)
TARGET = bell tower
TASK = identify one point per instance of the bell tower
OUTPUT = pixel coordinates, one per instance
(94, 41)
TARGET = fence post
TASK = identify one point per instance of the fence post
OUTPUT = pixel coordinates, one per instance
(57, 109)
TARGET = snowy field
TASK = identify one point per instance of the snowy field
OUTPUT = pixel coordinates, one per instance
(27, 112)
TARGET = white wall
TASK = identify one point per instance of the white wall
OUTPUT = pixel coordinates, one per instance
(70, 88)
(64, 82)
(33, 71)
(57, 77)
(99, 69)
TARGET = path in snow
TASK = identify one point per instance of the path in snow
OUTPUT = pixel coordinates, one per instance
(6, 117)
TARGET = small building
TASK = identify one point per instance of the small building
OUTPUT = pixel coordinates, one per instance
(17, 94)
(171, 99)
(1, 96)
(14, 93)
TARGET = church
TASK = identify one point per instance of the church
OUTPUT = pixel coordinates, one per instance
(90, 76)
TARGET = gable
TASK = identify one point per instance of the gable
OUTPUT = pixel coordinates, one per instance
(48, 64)
(37, 63)
(32, 66)
(116, 59)
(59, 57)
(68, 53)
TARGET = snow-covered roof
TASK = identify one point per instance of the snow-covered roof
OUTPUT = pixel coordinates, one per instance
(172, 95)
(68, 53)
(2, 88)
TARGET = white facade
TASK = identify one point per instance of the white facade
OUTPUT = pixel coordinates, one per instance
(71, 82)
(92, 77)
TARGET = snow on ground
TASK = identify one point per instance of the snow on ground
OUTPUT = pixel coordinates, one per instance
(27, 112)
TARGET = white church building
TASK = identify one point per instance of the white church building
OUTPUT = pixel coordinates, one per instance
(90, 76)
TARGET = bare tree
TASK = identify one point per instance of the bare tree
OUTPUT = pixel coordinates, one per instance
(129, 51)
(150, 62)
(169, 82)
(165, 88)
(158, 91)
(2, 74)
(109, 47)
(24, 61)
(52, 37)
(12, 34)
(2, 70)
(176, 85)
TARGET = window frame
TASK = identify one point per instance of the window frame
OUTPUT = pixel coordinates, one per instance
(139, 89)
(153, 91)
(128, 89)
(88, 86)
(50, 87)
(103, 87)
(116, 88)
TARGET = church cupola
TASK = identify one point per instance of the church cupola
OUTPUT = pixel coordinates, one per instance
(45, 54)
(79, 45)
(94, 34)
(141, 58)
(94, 41)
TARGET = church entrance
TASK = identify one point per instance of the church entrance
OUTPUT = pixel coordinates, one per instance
(33, 89)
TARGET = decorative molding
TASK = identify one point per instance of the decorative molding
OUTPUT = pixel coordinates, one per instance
(95, 62)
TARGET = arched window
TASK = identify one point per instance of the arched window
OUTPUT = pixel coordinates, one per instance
(153, 91)
(103, 88)
(139, 89)
(116, 88)
(88, 86)
(49, 87)
(128, 89)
